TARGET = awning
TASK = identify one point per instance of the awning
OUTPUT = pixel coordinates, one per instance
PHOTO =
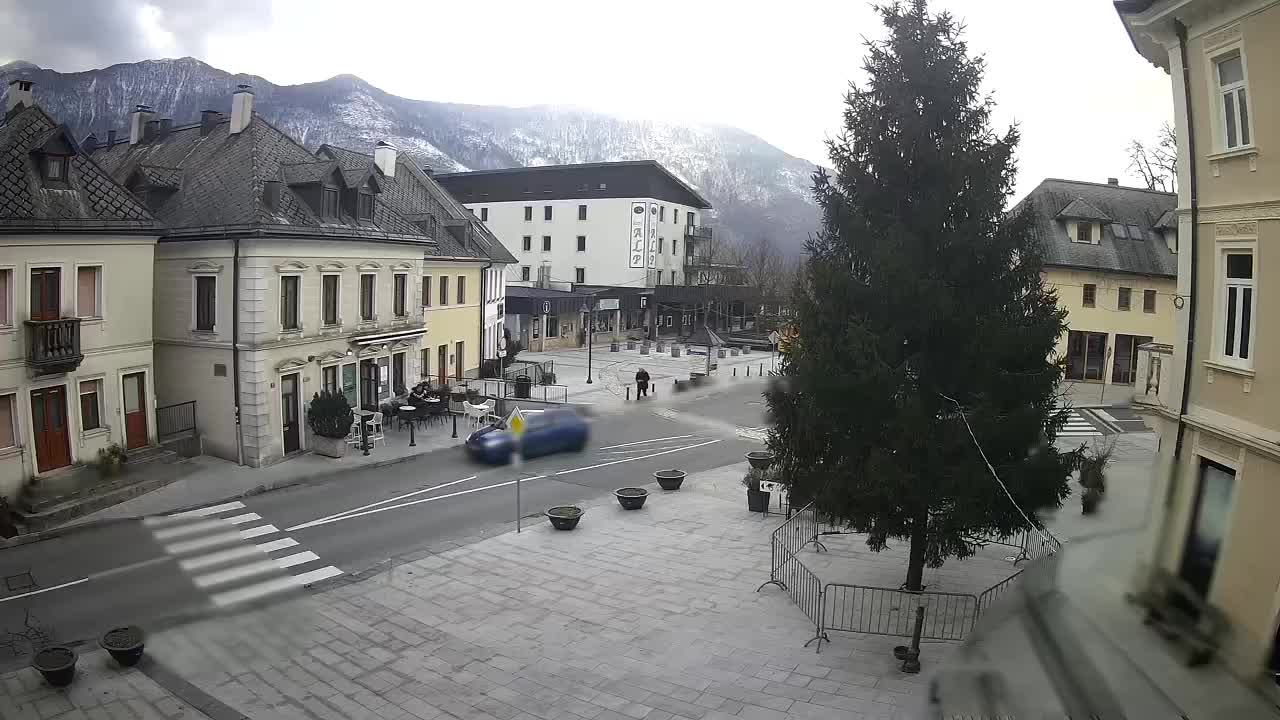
(388, 337)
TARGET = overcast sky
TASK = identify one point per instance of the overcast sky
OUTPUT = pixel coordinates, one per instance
(1070, 77)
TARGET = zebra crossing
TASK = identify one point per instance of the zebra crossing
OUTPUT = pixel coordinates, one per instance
(234, 555)
(1078, 427)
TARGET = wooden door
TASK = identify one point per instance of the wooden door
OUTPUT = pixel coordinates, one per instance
(135, 410)
(368, 385)
(458, 363)
(49, 424)
(46, 293)
(289, 413)
(442, 365)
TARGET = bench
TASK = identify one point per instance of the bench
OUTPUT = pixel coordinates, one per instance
(1180, 614)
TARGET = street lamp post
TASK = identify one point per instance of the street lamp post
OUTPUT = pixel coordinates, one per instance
(591, 317)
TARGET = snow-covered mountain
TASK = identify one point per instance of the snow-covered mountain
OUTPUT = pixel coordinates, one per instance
(755, 187)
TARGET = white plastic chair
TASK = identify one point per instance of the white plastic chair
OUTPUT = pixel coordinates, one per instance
(353, 434)
(375, 429)
(474, 413)
(488, 415)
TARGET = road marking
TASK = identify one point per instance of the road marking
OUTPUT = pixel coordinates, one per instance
(641, 442)
(275, 585)
(242, 519)
(258, 531)
(380, 502)
(220, 557)
(297, 559)
(275, 545)
(641, 457)
(194, 528)
(199, 512)
(45, 590)
(1105, 415)
(238, 572)
(204, 543)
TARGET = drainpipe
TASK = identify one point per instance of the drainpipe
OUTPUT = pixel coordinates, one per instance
(1194, 197)
(235, 346)
(484, 305)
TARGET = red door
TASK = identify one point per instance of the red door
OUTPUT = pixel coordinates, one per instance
(442, 364)
(458, 362)
(46, 293)
(49, 423)
(135, 410)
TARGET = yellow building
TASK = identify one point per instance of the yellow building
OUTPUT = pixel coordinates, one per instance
(1111, 254)
(1212, 400)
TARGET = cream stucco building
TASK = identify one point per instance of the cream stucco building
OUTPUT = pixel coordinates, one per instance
(1216, 399)
(284, 272)
(76, 370)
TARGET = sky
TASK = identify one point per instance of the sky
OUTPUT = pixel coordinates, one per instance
(1069, 77)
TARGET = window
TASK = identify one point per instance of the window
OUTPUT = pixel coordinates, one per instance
(424, 367)
(675, 216)
(1124, 297)
(579, 275)
(349, 383)
(399, 293)
(546, 212)
(462, 289)
(329, 379)
(444, 290)
(426, 291)
(364, 207)
(661, 245)
(582, 212)
(1235, 106)
(55, 168)
(582, 243)
(1090, 294)
(524, 273)
(528, 213)
(329, 203)
(90, 405)
(8, 414)
(669, 323)
(206, 303)
(397, 373)
(662, 213)
(484, 214)
(673, 246)
(368, 288)
(89, 292)
(1084, 232)
(527, 243)
(1236, 314)
(546, 243)
(1149, 301)
(6, 297)
(289, 302)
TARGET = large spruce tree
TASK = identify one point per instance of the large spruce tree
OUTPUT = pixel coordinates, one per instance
(921, 289)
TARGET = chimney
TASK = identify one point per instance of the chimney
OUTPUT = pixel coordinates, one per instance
(19, 93)
(151, 129)
(138, 123)
(384, 156)
(89, 144)
(208, 120)
(1113, 181)
(111, 138)
(166, 124)
(241, 108)
(427, 170)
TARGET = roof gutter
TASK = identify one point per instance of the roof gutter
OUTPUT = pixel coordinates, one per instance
(484, 303)
(235, 347)
(1194, 200)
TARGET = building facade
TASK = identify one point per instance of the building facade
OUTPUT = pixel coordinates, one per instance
(1111, 255)
(1216, 408)
(76, 250)
(621, 224)
(285, 272)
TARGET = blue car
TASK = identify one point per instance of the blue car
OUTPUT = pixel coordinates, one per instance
(546, 432)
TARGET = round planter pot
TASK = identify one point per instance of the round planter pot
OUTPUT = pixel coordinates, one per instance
(124, 643)
(760, 459)
(757, 501)
(57, 664)
(565, 517)
(631, 498)
(669, 479)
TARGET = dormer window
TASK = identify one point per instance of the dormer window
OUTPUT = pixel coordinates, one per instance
(1084, 232)
(329, 202)
(364, 207)
(55, 169)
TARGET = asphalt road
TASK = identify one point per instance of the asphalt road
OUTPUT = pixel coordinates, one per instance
(140, 572)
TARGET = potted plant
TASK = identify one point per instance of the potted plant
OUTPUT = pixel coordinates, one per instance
(330, 417)
(564, 517)
(1089, 501)
(757, 499)
(631, 498)
(57, 663)
(124, 643)
(669, 479)
(760, 459)
(1093, 477)
(111, 460)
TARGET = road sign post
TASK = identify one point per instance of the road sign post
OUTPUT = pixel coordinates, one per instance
(516, 424)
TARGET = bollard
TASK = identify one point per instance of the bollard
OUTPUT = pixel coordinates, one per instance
(628, 392)
(748, 371)
(735, 372)
(911, 659)
(761, 373)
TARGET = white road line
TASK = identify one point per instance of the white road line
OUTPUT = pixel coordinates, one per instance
(258, 531)
(45, 590)
(382, 502)
(275, 545)
(641, 442)
(199, 512)
(239, 572)
(297, 559)
(641, 457)
(316, 576)
(204, 543)
(1106, 416)
(219, 558)
(194, 528)
(242, 519)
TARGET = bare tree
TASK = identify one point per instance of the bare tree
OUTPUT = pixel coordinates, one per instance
(762, 265)
(1157, 163)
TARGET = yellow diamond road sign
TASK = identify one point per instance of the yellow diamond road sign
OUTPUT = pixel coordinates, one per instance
(516, 422)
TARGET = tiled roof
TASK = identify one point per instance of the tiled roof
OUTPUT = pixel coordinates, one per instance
(307, 172)
(160, 176)
(1079, 209)
(91, 200)
(1130, 241)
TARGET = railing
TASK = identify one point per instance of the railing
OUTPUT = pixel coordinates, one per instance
(889, 611)
(787, 572)
(697, 232)
(1031, 544)
(989, 595)
(505, 390)
(173, 420)
(54, 345)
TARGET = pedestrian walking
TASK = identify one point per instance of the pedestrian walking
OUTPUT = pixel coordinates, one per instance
(642, 383)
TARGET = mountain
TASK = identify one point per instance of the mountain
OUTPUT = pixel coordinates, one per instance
(755, 187)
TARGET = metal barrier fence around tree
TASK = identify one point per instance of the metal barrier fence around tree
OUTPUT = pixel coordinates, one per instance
(845, 607)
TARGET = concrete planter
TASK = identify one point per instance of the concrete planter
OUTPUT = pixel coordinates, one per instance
(644, 349)
(675, 351)
(746, 349)
(720, 352)
(329, 447)
(613, 347)
(662, 346)
(733, 352)
(631, 344)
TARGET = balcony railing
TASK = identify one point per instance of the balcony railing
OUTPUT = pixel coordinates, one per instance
(53, 346)
(697, 232)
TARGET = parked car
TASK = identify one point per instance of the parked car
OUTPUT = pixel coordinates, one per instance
(546, 432)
